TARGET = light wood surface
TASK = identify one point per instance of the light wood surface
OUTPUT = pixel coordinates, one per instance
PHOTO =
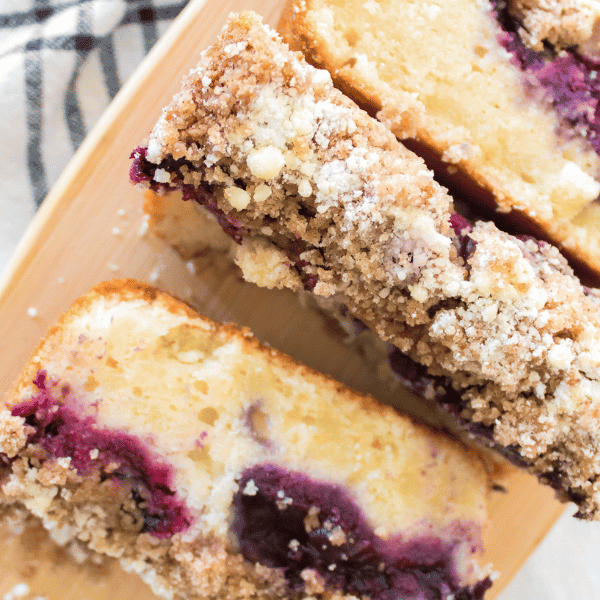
(88, 230)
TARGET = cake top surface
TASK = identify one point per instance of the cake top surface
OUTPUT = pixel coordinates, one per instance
(286, 136)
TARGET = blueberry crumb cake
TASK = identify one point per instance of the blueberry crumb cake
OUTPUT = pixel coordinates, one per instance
(503, 93)
(320, 196)
(218, 468)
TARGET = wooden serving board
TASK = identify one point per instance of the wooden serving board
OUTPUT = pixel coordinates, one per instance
(88, 230)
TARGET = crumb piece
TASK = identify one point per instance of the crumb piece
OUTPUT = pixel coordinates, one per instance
(560, 356)
(20, 590)
(237, 197)
(283, 501)
(313, 581)
(12, 434)
(337, 537)
(264, 264)
(311, 521)
(266, 163)
(262, 192)
(32, 312)
(54, 472)
(304, 188)
(250, 488)
(162, 176)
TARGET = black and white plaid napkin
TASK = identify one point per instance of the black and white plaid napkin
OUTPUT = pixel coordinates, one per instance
(61, 62)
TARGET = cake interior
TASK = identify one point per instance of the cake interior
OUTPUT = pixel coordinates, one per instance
(562, 79)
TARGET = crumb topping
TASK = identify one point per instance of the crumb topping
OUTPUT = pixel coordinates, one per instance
(350, 213)
(12, 433)
(563, 23)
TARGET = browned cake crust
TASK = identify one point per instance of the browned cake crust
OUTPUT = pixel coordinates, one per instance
(544, 178)
(344, 210)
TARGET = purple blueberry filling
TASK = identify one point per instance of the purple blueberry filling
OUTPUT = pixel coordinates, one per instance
(120, 457)
(439, 389)
(293, 250)
(558, 480)
(143, 171)
(357, 326)
(286, 520)
(568, 81)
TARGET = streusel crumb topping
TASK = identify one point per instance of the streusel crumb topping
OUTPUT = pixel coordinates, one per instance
(238, 484)
(563, 23)
(343, 209)
(12, 434)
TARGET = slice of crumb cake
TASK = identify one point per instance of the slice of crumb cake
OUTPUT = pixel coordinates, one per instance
(216, 467)
(503, 93)
(311, 186)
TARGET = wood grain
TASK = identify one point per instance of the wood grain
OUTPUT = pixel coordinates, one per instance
(88, 230)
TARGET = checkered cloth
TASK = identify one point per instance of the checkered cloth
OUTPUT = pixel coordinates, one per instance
(61, 62)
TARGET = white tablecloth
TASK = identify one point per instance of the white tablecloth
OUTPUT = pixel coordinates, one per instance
(61, 62)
